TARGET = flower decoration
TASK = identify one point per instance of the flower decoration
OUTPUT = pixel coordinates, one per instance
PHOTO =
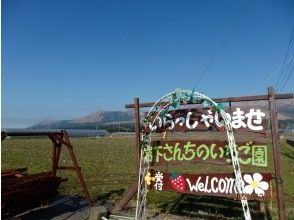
(255, 184)
(149, 178)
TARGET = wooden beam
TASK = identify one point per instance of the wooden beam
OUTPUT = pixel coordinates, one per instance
(227, 99)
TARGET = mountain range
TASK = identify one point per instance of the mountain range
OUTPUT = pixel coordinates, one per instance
(108, 120)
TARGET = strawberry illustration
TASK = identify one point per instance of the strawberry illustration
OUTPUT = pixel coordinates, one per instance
(177, 181)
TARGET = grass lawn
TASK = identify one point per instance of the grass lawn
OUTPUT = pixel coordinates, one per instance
(108, 166)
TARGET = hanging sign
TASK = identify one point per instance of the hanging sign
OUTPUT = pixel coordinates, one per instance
(255, 185)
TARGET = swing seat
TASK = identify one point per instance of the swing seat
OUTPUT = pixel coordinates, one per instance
(21, 191)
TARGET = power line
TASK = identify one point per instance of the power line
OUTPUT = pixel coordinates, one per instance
(282, 76)
(271, 75)
(291, 71)
(221, 46)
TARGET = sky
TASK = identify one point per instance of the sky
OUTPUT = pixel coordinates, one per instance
(63, 59)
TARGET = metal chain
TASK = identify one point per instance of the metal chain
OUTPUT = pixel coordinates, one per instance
(236, 165)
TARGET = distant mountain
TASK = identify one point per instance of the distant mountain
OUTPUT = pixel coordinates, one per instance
(286, 111)
(104, 117)
(96, 120)
(47, 123)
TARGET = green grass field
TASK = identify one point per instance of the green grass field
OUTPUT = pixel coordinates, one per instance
(108, 166)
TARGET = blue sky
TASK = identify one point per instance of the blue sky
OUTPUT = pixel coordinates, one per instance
(65, 59)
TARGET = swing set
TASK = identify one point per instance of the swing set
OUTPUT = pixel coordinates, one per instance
(22, 191)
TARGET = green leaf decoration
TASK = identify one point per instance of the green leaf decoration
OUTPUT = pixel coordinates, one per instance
(219, 107)
(174, 104)
(163, 104)
(174, 96)
(205, 104)
(191, 98)
(174, 175)
(163, 112)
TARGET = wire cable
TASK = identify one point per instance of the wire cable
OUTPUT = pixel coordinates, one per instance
(291, 71)
(259, 86)
(282, 76)
(212, 59)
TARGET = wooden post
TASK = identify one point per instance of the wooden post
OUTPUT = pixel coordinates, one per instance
(276, 152)
(54, 164)
(57, 142)
(58, 145)
(77, 168)
(54, 159)
(58, 154)
(127, 196)
(138, 132)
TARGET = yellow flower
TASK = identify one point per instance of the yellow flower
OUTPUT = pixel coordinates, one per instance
(149, 178)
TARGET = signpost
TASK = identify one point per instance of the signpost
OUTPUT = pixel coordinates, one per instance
(194, 114)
